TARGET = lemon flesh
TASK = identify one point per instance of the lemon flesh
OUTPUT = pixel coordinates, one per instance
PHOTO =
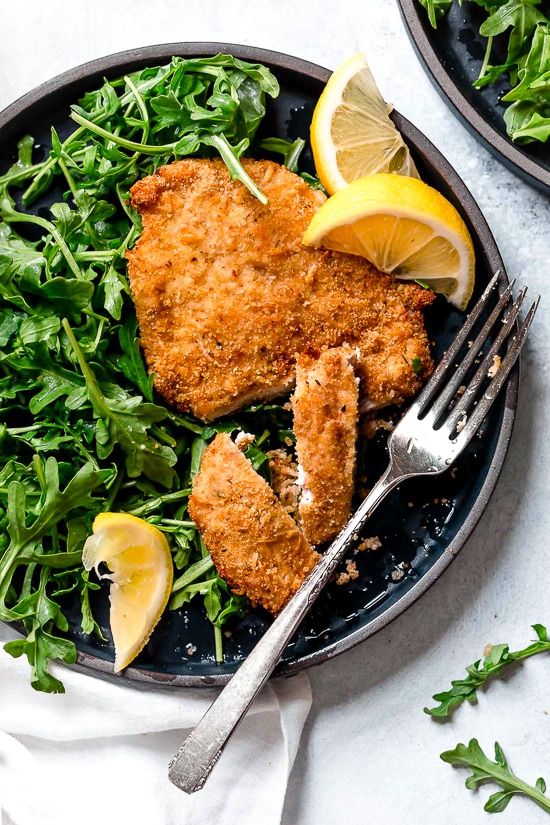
(405, 228)
(138, 556)
(352, 134)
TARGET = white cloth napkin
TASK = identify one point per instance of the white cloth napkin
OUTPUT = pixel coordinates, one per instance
(100, 752)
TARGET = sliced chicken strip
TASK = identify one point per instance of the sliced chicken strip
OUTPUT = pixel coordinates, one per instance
(256, 546)
(325, 406)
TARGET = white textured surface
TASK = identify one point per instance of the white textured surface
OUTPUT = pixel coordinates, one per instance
(369, 754)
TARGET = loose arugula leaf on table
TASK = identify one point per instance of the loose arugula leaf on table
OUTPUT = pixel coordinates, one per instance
(485, 770)
(496, 659)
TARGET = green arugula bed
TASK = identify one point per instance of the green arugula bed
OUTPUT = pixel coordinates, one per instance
(81, 428)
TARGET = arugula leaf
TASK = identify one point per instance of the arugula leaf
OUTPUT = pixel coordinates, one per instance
(125, 421)
(41, 616)
(436, 9)
(525, 29)
(88, 623)
(131, 362)
(198, 447)
(533, 126)
(485, 770)
(522, 16)
(290, 150)
(534, 74)
(495, 660)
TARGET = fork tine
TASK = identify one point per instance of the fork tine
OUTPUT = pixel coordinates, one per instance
(449, 390)
(492, 391)
(464, 403)
(441, 370)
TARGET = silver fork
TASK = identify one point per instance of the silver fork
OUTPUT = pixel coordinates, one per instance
(428, 439)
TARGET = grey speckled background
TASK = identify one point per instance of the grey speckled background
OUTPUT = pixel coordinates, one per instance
(368, 753)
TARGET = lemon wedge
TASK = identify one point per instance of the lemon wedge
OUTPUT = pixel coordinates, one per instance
(351, 132)
(405, 228)
(138, 556)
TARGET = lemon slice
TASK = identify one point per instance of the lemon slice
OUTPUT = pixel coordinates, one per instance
(405, 228)
(138, 556)
(351, 133)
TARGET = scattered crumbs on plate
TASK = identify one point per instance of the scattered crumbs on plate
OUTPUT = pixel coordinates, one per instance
(370, 543)
(461, 390)
(398, 573)
(454, 472)
(371, 426)
(190, 649)
(351, 573)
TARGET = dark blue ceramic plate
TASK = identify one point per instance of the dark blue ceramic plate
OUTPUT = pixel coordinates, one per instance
(421, 526)
(452, 55)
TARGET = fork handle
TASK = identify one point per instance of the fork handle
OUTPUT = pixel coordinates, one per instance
(198, 754)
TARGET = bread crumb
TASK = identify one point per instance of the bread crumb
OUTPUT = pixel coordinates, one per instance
(351, 569)
(371, 543)
(351, 573)
(397, 574)
(371, 426)
(190, 649)
(461, 423)
(242, 440)
(494, 368)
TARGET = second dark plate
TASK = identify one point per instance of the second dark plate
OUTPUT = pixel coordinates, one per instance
(452, 55)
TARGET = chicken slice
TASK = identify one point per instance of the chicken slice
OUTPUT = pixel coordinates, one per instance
(226, 294)
(256, 546)
(325, 406)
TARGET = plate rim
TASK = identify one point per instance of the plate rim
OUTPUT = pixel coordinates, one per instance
(494, 141)
(95, 666)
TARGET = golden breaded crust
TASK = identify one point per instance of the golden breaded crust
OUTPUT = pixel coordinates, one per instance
(256, 546)
(226, 294)
(325, 406)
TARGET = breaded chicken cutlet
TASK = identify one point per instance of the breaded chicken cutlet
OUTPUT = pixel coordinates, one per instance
(325, 405)
(227, 296)
(255, 545)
